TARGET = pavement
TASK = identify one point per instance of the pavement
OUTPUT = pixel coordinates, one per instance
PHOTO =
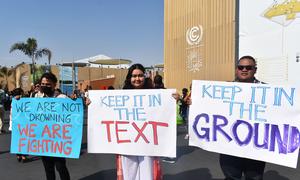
(192, 163)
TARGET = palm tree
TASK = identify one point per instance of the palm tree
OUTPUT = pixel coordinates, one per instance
(30, 49)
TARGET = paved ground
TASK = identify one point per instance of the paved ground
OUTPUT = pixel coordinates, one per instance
(192, 164)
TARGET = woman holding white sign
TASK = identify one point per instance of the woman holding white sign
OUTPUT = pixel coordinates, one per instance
(137, 167)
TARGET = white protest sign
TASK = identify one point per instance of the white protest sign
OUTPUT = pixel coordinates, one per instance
(132, 122)
(255, 121)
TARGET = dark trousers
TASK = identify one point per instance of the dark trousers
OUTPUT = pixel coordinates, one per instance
(234, 167)
(50, 163)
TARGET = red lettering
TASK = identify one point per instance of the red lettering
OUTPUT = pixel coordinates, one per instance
(27, 132)
(58, 146)
(65, 131)
(121, 130)
(154, 126)
(140, 132)
(46, 130)
(21, 144)
(33, 145)
(55, 130)
(31, 130)
(67, 150)
(23, 130)
(108, 123)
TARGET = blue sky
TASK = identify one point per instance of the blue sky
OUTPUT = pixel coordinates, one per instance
(75, 29)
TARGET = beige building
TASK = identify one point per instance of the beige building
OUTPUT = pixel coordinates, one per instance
(96, 77)
(199, 41)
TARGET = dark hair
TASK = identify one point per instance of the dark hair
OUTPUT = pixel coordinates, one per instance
(50, 76)
(248, 57)
(184, 90)
(158, 82)
(17, 92)
(58, 90)
(110, 87)
(127, 83)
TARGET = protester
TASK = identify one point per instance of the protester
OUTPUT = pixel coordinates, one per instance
(36, 90)
(137, 167)
(17, 93)
(47, 85)
(2, 97)
(158, 82)
(234, 167)
(187, 101)
(183, 105)
(110, 88)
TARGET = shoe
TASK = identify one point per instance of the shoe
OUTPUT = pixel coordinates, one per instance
(186, 136)
(24, 159)
(19, 158)
(169, 160)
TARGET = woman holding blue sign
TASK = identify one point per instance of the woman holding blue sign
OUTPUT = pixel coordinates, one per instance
(137, 167)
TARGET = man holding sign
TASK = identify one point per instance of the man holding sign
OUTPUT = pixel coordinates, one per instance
(49, 127)
(233, 167)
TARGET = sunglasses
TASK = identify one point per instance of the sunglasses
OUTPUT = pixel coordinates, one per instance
(248, 68)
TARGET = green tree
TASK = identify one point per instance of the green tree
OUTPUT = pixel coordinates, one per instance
(30, 49)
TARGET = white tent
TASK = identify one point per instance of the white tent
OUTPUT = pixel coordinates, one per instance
(99, 61)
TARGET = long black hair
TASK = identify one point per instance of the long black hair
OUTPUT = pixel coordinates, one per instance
(127, 83)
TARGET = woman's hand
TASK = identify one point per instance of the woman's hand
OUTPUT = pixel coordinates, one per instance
(87, 101)
(17, 97)
(176, 96)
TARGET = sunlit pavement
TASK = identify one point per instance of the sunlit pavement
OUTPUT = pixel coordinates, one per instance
(191, 164)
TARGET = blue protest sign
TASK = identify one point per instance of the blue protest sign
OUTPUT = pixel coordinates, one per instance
(47, 126)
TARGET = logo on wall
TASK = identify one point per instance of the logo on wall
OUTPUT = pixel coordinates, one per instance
(194, 35)
(283, 12)
(194, 39)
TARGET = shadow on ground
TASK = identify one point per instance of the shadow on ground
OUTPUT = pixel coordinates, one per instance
(3, 152)
(184, 150)
(196, 174)
(274, 175)
(103, 175)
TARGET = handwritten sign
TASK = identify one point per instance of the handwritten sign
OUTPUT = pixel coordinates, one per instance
(47, 126)
(255, 121)
(132, 122)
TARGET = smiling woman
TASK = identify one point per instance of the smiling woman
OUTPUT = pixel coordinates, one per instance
(138, 167)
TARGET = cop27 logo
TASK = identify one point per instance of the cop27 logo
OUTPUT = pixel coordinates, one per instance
(194, 35)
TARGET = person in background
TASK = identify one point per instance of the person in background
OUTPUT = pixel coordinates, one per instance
(187, 100)
(36, 91)
(184, 105)
(158, 82)
(110, 88)
(17, 94)
(234, 167)
(57, 92)
(2, 97)
(137, 167)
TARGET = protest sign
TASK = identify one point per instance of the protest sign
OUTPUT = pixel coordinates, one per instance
(47, 126)
(132, 122)
(256, 121)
